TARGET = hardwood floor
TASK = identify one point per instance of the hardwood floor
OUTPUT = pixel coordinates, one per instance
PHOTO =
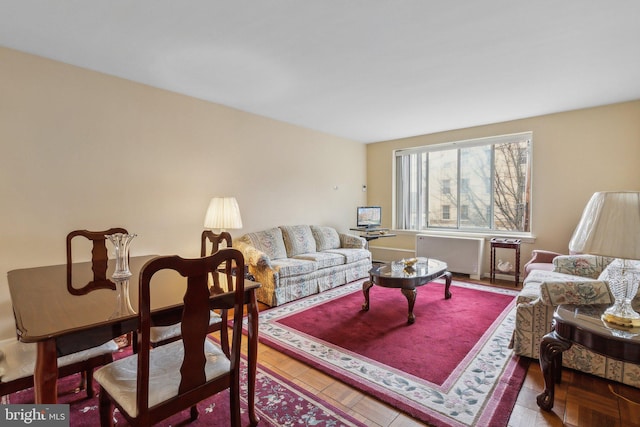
(581, 399)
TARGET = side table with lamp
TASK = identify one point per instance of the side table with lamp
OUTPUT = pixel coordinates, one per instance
(583, 325)
(610, 226)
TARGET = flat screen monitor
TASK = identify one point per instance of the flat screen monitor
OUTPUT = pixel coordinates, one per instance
(369, 216)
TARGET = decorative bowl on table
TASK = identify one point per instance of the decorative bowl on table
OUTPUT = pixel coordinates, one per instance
(408, 265)
(409, 262)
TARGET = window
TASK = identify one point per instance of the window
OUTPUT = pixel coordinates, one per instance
(464, 212)
(446, 212)
(475, 185)
(446, 186)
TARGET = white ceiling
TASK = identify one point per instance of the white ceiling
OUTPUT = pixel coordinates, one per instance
(364, 70)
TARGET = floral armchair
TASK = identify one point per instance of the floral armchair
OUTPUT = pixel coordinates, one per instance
(540, 260)
(575, 279)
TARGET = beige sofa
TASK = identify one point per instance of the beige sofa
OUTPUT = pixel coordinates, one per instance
(575, 279)
(292, 262)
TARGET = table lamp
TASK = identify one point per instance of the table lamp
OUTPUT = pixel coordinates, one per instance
(610, 226)
(223, 214)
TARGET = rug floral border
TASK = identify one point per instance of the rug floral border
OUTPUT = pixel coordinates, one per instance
(467, 398)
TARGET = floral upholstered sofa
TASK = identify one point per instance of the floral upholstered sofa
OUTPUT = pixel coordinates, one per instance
(575, 279)
(292, 262)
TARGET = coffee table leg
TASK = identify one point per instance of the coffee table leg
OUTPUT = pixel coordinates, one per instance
(551, 348)
(410, 294)
(447, 285)
(365, 290)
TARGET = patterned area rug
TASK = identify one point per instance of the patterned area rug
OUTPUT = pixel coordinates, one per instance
(278, 403)
(480, 390)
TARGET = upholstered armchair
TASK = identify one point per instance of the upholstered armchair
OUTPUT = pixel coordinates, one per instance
(540, 260)
(575, 279)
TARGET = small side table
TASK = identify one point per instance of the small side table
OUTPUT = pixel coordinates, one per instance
(582, 324)
(369, 234)
(508, 244)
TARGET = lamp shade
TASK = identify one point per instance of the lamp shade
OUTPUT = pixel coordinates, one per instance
(223, 213)
(610, 226)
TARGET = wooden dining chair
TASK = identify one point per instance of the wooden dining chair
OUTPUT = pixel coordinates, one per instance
(99, 265)
(99, 260)
(208, 237)
(158, 382)
(18, 361)
(161, 335)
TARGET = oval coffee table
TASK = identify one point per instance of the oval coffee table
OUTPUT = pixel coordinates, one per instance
(407, 281)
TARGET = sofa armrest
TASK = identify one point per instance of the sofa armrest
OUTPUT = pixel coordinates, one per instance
(352, 241)
(576, 292)
(253, 256)
(581, 265)
(542, 256)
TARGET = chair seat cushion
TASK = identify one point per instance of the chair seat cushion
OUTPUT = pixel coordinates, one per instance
(119, 378)
(18, 359)
(162, 333)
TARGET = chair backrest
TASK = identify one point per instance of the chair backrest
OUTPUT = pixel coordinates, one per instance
(99, 260)
(215, 240)
(209, 236)
(198, 302)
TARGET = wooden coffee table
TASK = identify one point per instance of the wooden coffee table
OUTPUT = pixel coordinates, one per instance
(582, 324)
(407, 281)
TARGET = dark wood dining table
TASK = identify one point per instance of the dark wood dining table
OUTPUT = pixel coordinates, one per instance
(63, 321)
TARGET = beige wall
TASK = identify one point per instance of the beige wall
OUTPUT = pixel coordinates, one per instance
(82, 150)
(85, 150)
(574, 155)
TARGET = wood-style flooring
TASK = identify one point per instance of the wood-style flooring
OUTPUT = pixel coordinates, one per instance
(581, 399)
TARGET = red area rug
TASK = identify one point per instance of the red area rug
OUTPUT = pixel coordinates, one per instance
(451, 367)
(278, 403)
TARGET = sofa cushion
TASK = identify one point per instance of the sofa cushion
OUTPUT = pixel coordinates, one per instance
(581, 265)
(351, 255)
(555, 288)
(268, 241)
(298, 239)
(287, 267)
(324, 259)
(326, 238)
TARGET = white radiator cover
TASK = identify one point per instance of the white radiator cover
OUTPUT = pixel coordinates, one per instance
(462, 254)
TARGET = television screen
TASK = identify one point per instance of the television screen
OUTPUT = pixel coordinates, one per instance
(369, 216)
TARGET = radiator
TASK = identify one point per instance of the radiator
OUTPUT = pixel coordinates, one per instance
(462, 254)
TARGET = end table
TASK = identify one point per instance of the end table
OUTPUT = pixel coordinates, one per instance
(582, 324)
(508, 244)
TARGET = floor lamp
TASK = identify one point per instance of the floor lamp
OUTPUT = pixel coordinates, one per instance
(610, 226)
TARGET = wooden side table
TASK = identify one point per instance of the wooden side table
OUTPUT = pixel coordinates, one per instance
(508, 244)
(582, 324)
